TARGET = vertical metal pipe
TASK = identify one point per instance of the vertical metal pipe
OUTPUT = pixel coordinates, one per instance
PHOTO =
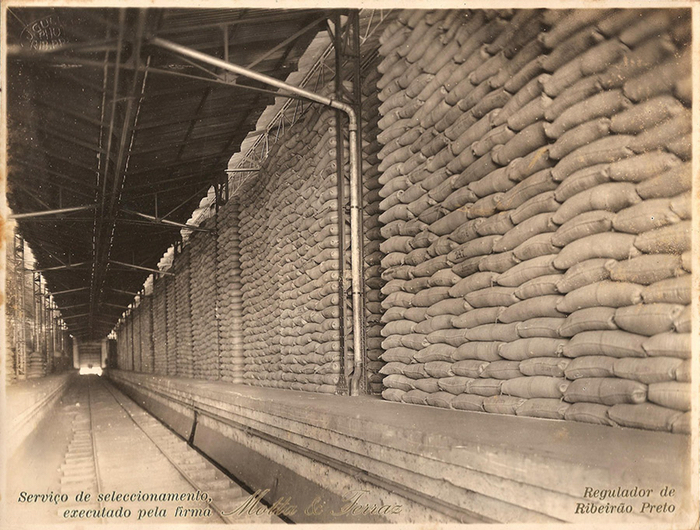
(340, 172)
(356, 252)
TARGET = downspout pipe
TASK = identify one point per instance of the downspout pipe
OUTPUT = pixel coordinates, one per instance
(356, 233)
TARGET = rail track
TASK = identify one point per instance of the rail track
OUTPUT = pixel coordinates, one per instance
(118, 449)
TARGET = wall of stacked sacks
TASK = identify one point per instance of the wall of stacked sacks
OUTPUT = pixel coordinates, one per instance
(527, 228)
(536, 169)
(203, 309)
(258, 300)
(160, 329)
(34, 346)
(229, 293)
(373, 239)
(290, 261)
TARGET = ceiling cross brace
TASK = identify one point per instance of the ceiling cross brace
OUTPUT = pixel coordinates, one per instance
(162, 221)
(63, 267)
(58, 211)
(139, 267)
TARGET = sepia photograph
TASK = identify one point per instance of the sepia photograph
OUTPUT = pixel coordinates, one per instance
(415, 265)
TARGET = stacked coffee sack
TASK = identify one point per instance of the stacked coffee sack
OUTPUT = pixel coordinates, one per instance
(183, 315)
(372, 229)
(146, 333)
(290, 261)
(160, 347)
(170, 324)
(135, 316)
(536, 169)
(229, 291)
(128, 345)
(203, 304)
(13, 321)
(121, 346)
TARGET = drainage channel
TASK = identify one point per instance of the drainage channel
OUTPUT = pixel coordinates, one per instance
(118, 446)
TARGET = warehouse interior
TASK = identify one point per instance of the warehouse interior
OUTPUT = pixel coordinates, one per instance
(352, 265)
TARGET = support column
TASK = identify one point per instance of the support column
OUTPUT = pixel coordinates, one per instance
(21, 327)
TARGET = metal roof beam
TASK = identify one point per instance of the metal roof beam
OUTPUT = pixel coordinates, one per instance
(169, 189)
(106, 322)
(196, 178)
(139, 267)
(267, 18)
(81, 82)
(115, 305)
(73, 306)
(108, 212)
(58, 174)
(63, 267)
(52, 154)
(85, 46)
(186, 143)
(188, 199)
(64, 317)
(120, 291)
(58, 211)
(65, 291)
(71, 140)
(64, 111)
(288, 40)
(213, 80)
(161, 221)
(63, 189)
(170, 167)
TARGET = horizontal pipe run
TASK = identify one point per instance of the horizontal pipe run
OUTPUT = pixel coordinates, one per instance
(214, 61)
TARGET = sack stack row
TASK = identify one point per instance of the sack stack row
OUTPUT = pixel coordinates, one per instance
(261, 311)
(229, 293)
(10, 376)
(290, 261)
(372, 229)
(136, 339)
(36, 366)
(12, 304)
(203, 300)
(146, 333)
(123, 349)
(160, 327)
(183, 316)
(171, 324)
(536, 213)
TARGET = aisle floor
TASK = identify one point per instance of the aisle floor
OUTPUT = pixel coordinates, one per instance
(57, 459)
